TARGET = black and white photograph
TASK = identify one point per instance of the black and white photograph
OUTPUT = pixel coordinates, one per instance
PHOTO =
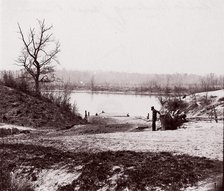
(111, 95)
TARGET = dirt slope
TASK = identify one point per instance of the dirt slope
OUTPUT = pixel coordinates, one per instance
(202, 105)
(22, 109)
(110, 161)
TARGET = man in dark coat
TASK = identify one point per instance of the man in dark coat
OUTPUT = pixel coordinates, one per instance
(154, 118)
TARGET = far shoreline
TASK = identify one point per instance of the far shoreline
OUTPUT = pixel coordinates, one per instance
(117, 92)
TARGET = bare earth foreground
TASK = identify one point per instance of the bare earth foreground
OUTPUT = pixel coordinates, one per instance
(196, 138)
(199, 139)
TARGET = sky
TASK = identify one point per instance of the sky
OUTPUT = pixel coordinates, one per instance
(137, 36)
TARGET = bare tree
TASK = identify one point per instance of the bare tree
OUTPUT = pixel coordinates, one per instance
(39, 54)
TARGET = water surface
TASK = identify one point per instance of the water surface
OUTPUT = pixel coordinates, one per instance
(117, 104)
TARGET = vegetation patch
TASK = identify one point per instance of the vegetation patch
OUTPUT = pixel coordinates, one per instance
(113, 170)
(23, 109)
(143, 171)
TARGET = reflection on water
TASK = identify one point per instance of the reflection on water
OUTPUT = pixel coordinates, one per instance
(119, 104)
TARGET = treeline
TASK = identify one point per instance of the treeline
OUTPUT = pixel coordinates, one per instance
(140, 83)
(125, 82)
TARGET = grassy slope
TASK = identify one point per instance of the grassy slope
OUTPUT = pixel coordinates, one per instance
(22, 109)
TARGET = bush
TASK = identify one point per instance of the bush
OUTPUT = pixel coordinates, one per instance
(8, 79)
(19, 83)
(175, 104)
(61, 98)
(172, 103)
(22, 84)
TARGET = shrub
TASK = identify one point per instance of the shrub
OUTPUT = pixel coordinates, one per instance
(61, 98)
(19, 83)
(8, 79)
(175, 104)
(22, 84)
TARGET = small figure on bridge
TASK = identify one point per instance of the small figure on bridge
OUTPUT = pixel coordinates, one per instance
(154, 118)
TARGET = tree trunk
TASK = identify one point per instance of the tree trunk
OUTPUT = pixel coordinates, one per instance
(37, 87)
(37, 82)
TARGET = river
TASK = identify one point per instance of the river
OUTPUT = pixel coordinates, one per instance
(114, 103)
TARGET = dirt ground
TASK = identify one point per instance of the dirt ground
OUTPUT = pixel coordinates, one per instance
(195, 138)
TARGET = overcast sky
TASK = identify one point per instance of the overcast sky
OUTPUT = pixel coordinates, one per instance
(146, 36)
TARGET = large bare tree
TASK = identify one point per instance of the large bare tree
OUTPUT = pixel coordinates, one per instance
(39, 54)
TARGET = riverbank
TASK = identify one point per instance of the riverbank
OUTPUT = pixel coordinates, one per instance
(119, 92)
(115, 152)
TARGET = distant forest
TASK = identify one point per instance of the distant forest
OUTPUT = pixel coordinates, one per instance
(129, 82)
(154, 83)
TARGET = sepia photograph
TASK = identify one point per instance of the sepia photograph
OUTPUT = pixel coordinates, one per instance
(111, 95)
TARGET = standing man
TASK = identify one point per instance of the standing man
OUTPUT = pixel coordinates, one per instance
(154, 118)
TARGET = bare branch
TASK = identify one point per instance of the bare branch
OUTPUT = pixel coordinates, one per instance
(38, 55)
(24, 41)
(33, 40)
